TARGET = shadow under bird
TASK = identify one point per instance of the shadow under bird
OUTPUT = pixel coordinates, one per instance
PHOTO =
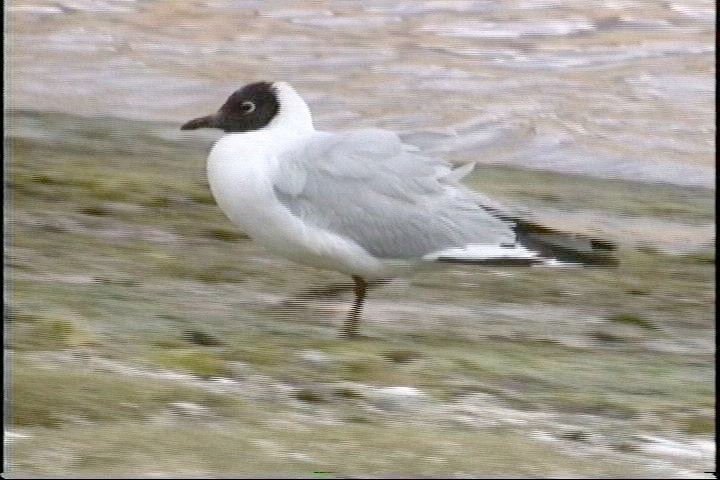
(361, 202)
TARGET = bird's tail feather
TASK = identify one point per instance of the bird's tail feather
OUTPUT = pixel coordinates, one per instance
(535, 245)
(563, 247)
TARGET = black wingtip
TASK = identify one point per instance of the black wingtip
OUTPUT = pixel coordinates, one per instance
(494, 262)
(602, 245)
(561, 246)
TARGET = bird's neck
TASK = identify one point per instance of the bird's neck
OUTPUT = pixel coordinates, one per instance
(293, 117)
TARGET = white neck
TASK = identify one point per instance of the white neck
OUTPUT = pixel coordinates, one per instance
(294, 116)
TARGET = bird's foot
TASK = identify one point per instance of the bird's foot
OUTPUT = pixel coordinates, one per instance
(345, 335)
(318, 292)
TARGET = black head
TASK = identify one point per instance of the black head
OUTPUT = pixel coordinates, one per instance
(250, 108)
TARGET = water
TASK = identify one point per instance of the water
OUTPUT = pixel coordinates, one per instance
(614, 89)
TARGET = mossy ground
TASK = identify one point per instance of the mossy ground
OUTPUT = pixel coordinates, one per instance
(117, 251)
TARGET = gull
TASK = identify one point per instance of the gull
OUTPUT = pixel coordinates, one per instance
(361, 202)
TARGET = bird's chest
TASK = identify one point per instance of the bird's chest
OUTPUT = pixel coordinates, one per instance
(241, 180)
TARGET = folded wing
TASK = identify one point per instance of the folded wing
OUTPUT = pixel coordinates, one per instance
(368, 187)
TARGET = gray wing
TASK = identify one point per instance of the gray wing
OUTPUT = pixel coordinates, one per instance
(369, 187)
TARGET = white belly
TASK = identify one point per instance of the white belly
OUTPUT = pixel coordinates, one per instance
(241, 180)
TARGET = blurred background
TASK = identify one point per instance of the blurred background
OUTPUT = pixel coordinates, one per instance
(148, 337)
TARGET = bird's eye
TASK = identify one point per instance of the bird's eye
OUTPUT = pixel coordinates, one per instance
(247, 106)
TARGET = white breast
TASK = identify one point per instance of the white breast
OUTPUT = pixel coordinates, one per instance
(241, 170)
(240, 175)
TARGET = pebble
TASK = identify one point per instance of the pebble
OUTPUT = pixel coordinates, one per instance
(398, 399)
(314, 359)
(189, 409)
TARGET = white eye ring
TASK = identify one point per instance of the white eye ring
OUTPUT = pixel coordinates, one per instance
(248, 106)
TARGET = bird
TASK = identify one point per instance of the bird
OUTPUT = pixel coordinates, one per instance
(362, 202)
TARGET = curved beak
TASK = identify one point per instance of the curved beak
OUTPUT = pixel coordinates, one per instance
(209, 121)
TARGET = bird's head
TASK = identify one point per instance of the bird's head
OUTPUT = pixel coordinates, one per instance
(250, 108)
